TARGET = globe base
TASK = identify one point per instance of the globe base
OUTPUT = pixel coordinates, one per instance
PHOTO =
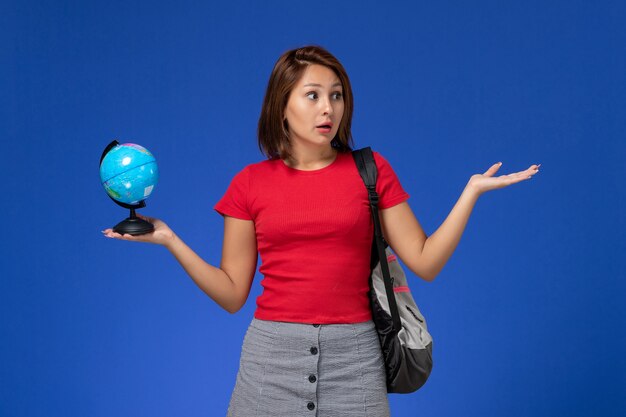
(133, 226)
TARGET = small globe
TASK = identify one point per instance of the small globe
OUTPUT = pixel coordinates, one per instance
(128, 173)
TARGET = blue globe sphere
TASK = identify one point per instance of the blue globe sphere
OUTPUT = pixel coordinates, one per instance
(128, 173)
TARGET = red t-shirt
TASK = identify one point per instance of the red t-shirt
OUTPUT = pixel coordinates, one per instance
(314, 233)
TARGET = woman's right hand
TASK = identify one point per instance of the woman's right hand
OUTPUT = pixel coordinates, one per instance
(162, 234)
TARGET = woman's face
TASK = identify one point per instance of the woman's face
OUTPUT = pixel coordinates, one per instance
(315, 107)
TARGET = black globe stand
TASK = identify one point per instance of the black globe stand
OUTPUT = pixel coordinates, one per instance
(133, 226)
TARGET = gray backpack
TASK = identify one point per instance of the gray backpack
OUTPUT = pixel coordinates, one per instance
(405, 341)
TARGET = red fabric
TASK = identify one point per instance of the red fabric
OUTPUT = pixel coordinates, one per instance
(314, 234)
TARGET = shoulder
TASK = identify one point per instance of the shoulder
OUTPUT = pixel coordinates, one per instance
(381, 161)
(262, 168)
(385, 170)
(256, 167)
(378, 156)
(382, 164)
(257, 173)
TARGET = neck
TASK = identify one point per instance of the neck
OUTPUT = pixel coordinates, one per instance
(310, 157)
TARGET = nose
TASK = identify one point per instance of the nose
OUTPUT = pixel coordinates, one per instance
(327, 107)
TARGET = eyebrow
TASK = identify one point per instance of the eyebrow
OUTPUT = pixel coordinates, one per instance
(337, 84)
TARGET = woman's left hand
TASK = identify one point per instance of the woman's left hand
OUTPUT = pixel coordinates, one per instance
(487, 182)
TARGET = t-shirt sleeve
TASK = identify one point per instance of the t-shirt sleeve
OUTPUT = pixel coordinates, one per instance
(388, 187)
(234, 202)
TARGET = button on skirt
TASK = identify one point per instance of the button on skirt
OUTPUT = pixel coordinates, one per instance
(297, 369)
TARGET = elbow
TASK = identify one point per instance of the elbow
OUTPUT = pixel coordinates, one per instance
(233, 307)
(230, 309)
(235, 304)
(428, 276)
(229, 304)
(432, 278)
(428, 272)
(235, 299)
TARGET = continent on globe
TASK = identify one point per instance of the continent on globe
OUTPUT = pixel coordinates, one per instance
(128, 173)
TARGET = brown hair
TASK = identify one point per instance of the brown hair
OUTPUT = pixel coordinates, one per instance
(272, 130)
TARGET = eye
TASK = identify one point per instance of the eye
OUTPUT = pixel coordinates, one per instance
(337, 96)
(312, 95)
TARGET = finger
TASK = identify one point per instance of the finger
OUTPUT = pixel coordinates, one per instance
(506, 180)
(116, 235)
(520, 176)
(528, 173)
(108, 232)
(493, 169)
(513, 175)
(130, 237)
(533, 169)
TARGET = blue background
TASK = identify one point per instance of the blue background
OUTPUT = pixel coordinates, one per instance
(528, 316)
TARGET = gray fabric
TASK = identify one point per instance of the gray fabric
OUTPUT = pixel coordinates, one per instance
(414, 333)
(276, 366)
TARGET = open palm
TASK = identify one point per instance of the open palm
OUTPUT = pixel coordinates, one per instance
(161, 234)
(487, 182)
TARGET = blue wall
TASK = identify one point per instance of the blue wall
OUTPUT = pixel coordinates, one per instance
(529, 315)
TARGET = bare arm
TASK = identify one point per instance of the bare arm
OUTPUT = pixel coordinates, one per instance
(426, 256)
(228, 285)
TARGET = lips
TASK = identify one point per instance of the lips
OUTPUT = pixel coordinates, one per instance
(327, 125)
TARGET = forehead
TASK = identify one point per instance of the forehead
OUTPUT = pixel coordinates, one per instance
(320, 75)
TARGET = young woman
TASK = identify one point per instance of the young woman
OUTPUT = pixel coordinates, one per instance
(311, 348)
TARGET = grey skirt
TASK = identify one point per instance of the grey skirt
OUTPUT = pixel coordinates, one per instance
(296, 369)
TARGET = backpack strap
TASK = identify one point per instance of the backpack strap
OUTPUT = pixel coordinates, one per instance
(366, 165)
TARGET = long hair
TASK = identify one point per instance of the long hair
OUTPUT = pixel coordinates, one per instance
(272, 131)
